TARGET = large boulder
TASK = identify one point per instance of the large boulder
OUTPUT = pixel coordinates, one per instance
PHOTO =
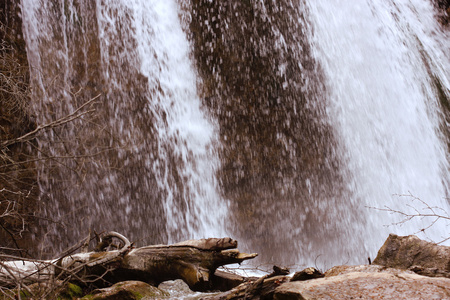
(412, 253)
(366, 282)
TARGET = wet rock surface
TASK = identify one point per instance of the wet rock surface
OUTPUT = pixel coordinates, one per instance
(410, 252)
(17, 171)
(366, 282)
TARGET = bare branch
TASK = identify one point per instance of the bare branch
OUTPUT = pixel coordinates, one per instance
(431, 212)
(66, 119)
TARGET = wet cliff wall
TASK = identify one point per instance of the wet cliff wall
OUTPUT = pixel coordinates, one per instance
(18, 189)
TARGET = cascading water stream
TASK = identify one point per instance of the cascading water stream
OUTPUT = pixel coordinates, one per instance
(382, 61)
(145, 163)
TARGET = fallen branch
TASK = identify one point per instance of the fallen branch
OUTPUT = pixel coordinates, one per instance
(193, 261)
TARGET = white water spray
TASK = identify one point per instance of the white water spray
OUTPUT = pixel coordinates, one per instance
(379, 58)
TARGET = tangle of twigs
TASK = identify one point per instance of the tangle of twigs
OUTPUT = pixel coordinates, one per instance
(433, 213)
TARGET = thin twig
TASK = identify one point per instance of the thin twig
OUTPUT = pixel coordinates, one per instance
(433, 212)
(66, 119)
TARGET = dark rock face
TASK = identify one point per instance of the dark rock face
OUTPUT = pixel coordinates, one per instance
(443, 4)
(443, 14)
(410, 252)
(18, 187)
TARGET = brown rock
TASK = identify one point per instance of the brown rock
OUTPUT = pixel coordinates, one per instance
(410, 252)
(366, 282)
(340, 270)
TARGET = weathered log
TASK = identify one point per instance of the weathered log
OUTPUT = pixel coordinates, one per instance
(193, 261)
(195, 266)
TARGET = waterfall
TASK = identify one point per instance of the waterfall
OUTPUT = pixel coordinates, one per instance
(285, 124)
(144, 162)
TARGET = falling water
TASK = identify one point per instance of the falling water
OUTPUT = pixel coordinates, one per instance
(386, 68)
(144, 162)
(292, 119)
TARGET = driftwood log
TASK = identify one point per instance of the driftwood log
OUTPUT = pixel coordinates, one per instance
(193, 261)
